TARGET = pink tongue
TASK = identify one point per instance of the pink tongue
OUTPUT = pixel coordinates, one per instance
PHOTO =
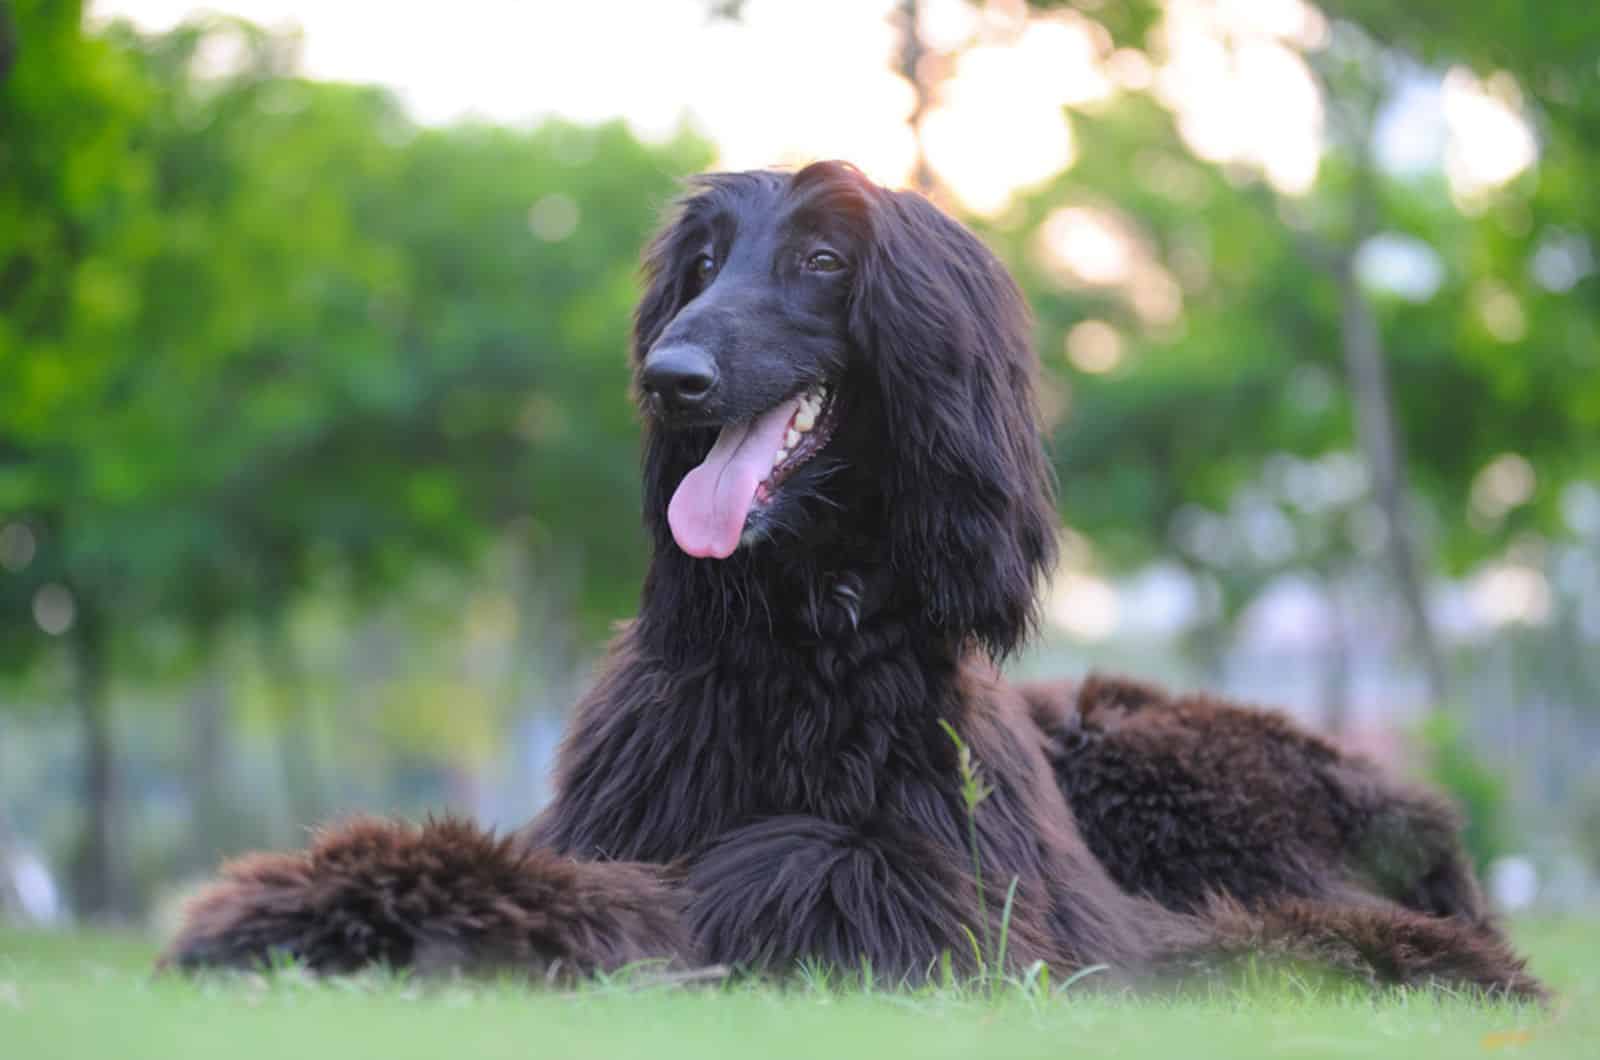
(708, 510)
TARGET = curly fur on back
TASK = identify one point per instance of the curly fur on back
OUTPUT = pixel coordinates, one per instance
(1243, 802)
(761, 774)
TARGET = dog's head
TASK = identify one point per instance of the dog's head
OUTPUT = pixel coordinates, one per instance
(824, 362)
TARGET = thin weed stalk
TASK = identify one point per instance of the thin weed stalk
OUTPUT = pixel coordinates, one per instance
(990, 958)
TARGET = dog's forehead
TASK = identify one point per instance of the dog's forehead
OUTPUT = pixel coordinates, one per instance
(829, 195)
(763, 206)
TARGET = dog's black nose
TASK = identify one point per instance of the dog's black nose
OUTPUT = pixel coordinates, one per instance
(681, 376)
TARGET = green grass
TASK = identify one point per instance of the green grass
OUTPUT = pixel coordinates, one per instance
(93, 995)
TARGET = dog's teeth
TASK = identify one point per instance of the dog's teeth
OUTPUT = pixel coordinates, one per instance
(806, 418)
(779, 457)
(791, 439)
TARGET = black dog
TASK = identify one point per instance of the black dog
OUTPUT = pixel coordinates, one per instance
(850, 510)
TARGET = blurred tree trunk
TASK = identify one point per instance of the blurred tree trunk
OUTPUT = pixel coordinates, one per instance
(1381, 443)
(1336, 670)
(1206, 645)
(206, 767)
(544, 678)
(294, 721)
(912, 51)
(547, 677)
(98, 882)
(1354, 99)
(8, 39)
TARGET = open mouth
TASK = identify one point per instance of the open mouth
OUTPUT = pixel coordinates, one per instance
(745, 468)
(809, 428)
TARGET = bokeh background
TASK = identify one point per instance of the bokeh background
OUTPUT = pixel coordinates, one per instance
(318, 485)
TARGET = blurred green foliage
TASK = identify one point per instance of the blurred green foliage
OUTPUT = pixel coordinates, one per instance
(258, 330)
(1252, 368)
(1588, 831)
(1477, 788)
(1201, 444)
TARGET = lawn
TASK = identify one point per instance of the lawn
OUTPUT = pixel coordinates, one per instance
(94, 996)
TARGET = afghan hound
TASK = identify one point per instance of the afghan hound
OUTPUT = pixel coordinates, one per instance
(849, 511)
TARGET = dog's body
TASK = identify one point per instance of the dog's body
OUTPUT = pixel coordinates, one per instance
(849, 510)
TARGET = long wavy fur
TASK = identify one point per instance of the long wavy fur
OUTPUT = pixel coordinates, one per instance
(760, 774)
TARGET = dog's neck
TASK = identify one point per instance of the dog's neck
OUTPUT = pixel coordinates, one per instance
(692, 610)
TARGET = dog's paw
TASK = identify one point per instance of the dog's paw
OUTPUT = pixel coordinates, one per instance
(257, 914)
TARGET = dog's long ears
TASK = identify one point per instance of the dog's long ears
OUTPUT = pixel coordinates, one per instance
(970, 498)
(666, 290)
(665, 284)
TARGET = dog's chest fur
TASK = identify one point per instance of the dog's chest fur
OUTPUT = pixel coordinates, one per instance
(833, 715)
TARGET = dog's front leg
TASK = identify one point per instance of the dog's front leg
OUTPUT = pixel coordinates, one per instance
(770, 895)
(446, 896)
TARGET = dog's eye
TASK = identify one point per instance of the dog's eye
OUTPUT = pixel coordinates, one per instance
(824, 261)
(704, 266)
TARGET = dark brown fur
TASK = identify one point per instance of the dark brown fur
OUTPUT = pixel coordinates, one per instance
(771, 729)
(444, 895)
(1241, 801)
(1379, 946)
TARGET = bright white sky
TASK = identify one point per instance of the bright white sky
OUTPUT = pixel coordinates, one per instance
(790, 80)
(796, 80)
